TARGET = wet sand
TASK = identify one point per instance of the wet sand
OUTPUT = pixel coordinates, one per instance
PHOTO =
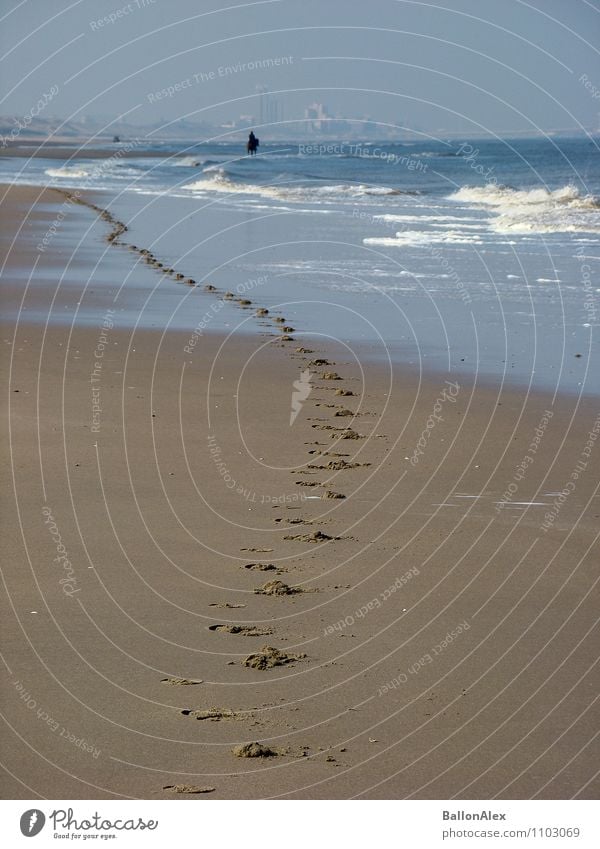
(428, 637)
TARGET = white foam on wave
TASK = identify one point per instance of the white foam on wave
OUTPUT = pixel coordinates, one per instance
(66, 173)
(418, 237)
(535, 210)
(221, 183)
(418, 219)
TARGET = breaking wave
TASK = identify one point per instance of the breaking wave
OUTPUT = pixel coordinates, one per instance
(537, 210)
(219, 181)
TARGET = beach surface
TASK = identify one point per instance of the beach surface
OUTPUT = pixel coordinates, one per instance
(181, 579)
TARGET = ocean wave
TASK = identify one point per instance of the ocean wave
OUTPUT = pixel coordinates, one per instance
(505, 196)
(192, 162)
(67, 173)
(429, 219)
(535, 210)
(222, 183)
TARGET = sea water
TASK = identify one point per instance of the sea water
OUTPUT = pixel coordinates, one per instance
(479, 255)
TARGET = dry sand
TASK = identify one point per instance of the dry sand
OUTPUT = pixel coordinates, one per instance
(446, 648)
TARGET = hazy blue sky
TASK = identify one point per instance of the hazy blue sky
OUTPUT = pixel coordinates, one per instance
(460, 65)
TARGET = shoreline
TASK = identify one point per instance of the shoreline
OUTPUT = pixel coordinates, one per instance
(159, 545)
(366, 351)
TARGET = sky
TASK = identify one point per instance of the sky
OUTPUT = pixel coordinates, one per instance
(457, 66)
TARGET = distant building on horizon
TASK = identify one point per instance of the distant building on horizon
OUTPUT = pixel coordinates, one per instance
(317, 116)
(271, 110)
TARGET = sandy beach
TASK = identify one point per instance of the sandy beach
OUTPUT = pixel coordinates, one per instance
(387, 579)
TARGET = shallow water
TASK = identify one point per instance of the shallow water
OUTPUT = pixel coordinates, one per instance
(481, 258)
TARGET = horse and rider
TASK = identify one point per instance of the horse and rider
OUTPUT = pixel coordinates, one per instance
(252, 144)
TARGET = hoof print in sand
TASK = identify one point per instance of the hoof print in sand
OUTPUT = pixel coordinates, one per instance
(349, 434)
(320, 363)
(262, 567)
(268, 657)
(315, 536)
(254, 750)
(188, 788)
(346, 393)
(277, 588)
(331, 494)
(330, 375)
(338, 465)
(180, 682)
(304, 351)
(246, 630)
(257, 550)
(225, 604)
(262, 311)
(213, 714)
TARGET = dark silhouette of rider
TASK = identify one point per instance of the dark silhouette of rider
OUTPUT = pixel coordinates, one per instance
(252, 143)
